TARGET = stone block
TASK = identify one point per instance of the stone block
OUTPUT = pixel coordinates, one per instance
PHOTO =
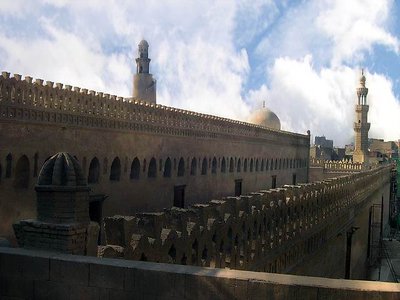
(84, 293)
(47, 290)
(70, 272)
(207, 287)
(142, 282)
(16, 287)
(257, 290)
(92, 237)
(27, 267)
(106, 276)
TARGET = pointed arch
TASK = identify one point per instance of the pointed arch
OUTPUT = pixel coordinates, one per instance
(181, 167)
(214, 166)
(8, 165)
(152, 171)
(251, 165)
(257, 165)
(22, 173)
(115, 172)
(231, 165)
(245, 165)
(239, 166)
(204, 166)
(94, 171)
(193, 166)
(167, 168)
(135, 169)
(262, 164)
(223, 165)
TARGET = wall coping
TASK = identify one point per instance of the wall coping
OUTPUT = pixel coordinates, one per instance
(269, 278)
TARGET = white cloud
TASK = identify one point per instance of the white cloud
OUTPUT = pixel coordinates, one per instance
(309, 54)
(324, 101)
(355, 26)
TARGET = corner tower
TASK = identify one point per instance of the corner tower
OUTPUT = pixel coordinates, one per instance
(144, 86)
(361, 125)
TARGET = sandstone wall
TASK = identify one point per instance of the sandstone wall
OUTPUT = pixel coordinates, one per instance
(295, 229)
(134, 152)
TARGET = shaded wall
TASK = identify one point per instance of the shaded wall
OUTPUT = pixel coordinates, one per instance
(28, 274)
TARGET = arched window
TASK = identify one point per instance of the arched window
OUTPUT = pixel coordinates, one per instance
(280, 163)
(204, 166)
(193, 166)
(251, 165)
(181, 167)
(245, 165)
(115, 173)
(35, 164)
(135, 169)
(266, 164)
(262, 164)
(231, 165)
(167, 168)
(214, 166)
(223, 165)
(272, 163)
(22, 173)
(152, 172)
(276, 164)
(8, 165)
(257, 165)
(94, 171)
(239, 166)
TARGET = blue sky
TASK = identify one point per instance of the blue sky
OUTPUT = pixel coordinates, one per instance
(221, 57)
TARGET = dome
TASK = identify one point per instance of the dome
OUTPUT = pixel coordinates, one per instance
(61, 169)
(144, 43)
(266, 118)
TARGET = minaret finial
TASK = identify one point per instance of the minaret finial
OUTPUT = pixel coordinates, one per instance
(362, 71)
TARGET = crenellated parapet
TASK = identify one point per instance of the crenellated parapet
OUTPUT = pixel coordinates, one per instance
(337, 165)
(269, 230)
(48, 102)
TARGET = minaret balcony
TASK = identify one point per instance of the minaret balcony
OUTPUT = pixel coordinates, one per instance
(359, 126)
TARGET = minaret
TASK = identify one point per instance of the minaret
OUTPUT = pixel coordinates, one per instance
(361, 125)
(144, 86)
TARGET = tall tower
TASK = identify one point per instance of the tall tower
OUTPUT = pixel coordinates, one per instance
(361, 125)
(144, 86)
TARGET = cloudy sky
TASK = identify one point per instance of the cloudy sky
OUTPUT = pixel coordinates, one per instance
(221, 57)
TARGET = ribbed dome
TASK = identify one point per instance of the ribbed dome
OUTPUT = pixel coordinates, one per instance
(265, 117)
(61, 169)
(144, 43)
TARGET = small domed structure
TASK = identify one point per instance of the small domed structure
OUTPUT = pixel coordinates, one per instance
(266, 118)
(144, 43)
(61, 169)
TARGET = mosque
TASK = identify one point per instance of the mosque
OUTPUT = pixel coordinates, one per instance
(177, 204)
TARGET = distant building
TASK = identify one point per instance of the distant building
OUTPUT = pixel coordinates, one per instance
(380, 151)
(323, 142)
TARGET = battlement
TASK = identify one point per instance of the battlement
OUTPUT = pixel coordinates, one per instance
(269, 230)
(40, 101)
(334, 165)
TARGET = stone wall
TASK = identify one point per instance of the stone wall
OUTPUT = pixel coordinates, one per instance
(270, 230)
(321, 169)
(28, 274)
(134, 152)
